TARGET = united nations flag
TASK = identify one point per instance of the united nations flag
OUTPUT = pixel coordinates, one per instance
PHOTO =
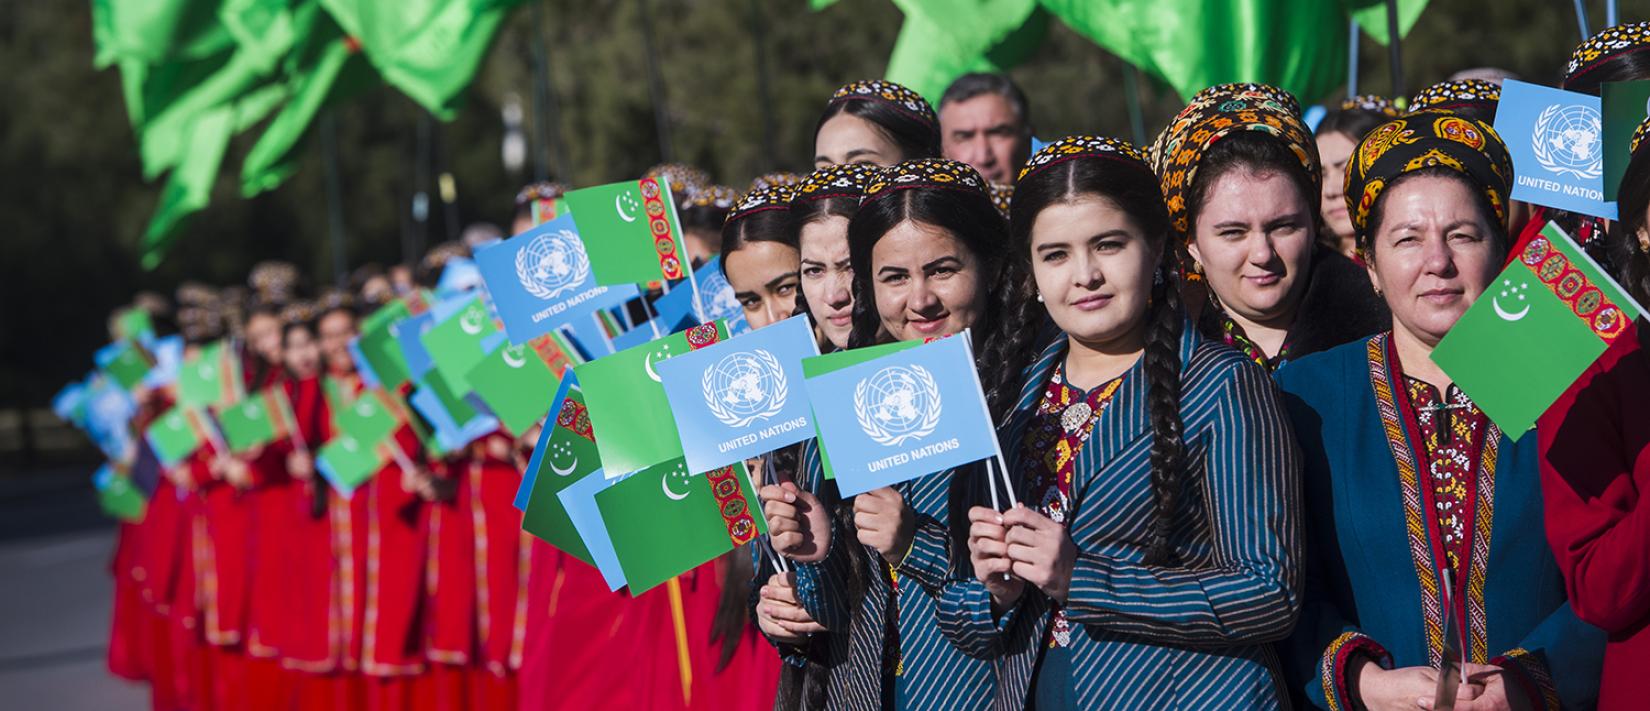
(541, 279)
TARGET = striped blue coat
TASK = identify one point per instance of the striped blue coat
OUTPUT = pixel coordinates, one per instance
(1193, 636)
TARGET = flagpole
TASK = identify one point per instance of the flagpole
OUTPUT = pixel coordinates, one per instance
(1611, 19)
(1131, 91)
(1352, 59)
(655, 85)
(769, 476)
(1581, 20)
(546, 123)
(652, 316)
(764, 95)
(1392, 46)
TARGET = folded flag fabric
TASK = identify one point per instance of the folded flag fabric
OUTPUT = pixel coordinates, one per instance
(567, 455)
(177, 434)
(256, 421)
(211, 378)
(742, 397)
(664, 521)
(541, 279)
(380, 349)
(628, 409)
(832, 362)
(902, 416)
(630, 230)
(1549, 314)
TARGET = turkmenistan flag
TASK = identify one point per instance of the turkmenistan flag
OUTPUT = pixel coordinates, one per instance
(177, 434)
(346, 461)
(373, 416)
(515, 384)
(128, 364)
(212, 377)
(832, 362)
(454, 344)
(257, 420)
(135, 325)
(630, 230)
(1542, 322)
(380, 348)
(117, 496)
(628, 408)
(566, 454)
(664, 521)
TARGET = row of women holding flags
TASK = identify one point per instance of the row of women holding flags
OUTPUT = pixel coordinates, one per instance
(1240, 478)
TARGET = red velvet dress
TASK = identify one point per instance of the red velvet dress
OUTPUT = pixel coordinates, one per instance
(393, 557)
(128, 651)
(576, 628)
(1595, 472)
(275, 503)
(449, 580)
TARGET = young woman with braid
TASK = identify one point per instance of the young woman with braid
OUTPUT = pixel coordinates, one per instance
(1153, 556)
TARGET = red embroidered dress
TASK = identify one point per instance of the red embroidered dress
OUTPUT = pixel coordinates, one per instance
(1063, 422)
(1451, 430)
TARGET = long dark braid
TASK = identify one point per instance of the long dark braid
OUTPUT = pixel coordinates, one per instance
(1162, 368)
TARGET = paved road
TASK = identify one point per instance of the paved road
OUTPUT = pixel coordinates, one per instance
(55, 597)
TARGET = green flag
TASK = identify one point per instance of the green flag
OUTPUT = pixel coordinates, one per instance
(934, 48)
(664, 522)
(189, 188)
(429, 49)
(1193, 44)
(1625, 105)
(135, 324)
(257, 420)
(117, 496)
(570, 455)
(373, 416)
(628, 409)
(630, 231)
(347, 461)
(1371, 17)
(455, 344)
(380, 348)
(1542, 322)
(130, 364)
(212, 377)
(515, 384)
(832, 362)
(176, 434)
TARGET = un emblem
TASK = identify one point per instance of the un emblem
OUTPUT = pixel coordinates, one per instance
(1566, 139)
(721, 303)
(897, 404)
(745, 387)
(552, 264)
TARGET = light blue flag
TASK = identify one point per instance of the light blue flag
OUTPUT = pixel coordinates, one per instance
(589, 337)
(579, 498)
(369, 377)
(450, 435)
(740, 398)
(904, 415)
(540, 279)
(168, 353)
(407, 334)
(1556, 139)
(642, 333)
(714, 293)
(525, 491)
(69, 404)
(458, 276)
(109, 409)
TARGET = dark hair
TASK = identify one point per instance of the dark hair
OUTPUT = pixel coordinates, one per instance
(1256, 153)
(916, 137)
(1627, 66)
(1631, 261)
(765, 226)
(1014, 339)
(702, 217)
(975, 84)
(1377, 212)
(966, 214)
(260, 368)
(1352, 123)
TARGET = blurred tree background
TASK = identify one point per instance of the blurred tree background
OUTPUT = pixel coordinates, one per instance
(73, 205)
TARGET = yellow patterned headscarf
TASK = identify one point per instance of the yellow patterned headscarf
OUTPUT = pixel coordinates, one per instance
(1421, 140)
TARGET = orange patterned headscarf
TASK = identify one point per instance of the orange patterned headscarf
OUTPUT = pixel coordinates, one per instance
(1421, 140)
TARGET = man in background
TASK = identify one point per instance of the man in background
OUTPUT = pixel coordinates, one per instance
(986, 123)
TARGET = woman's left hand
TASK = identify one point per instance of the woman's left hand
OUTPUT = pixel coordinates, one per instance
(1484, 687)
(1041, 551)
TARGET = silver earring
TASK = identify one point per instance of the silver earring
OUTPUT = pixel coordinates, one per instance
(1039, 298)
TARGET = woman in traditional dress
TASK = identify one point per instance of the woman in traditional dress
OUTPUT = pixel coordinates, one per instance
(1154, 555)
(1240, 174)
(1594, 472)
(1423, 518)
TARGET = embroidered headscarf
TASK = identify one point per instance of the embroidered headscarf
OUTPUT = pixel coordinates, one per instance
(1472, 94)
(1608, 44)
(841, 180)
(889, 93)
(937, 173)
(1421, 140)
(1370, 102)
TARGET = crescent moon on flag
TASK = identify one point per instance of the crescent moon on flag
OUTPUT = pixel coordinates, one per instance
(348, 443)
(564, 471)
(648, 364)
(470, 322)
(618, 206)
(665, 484)
(1509, 315)
(513, 358)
